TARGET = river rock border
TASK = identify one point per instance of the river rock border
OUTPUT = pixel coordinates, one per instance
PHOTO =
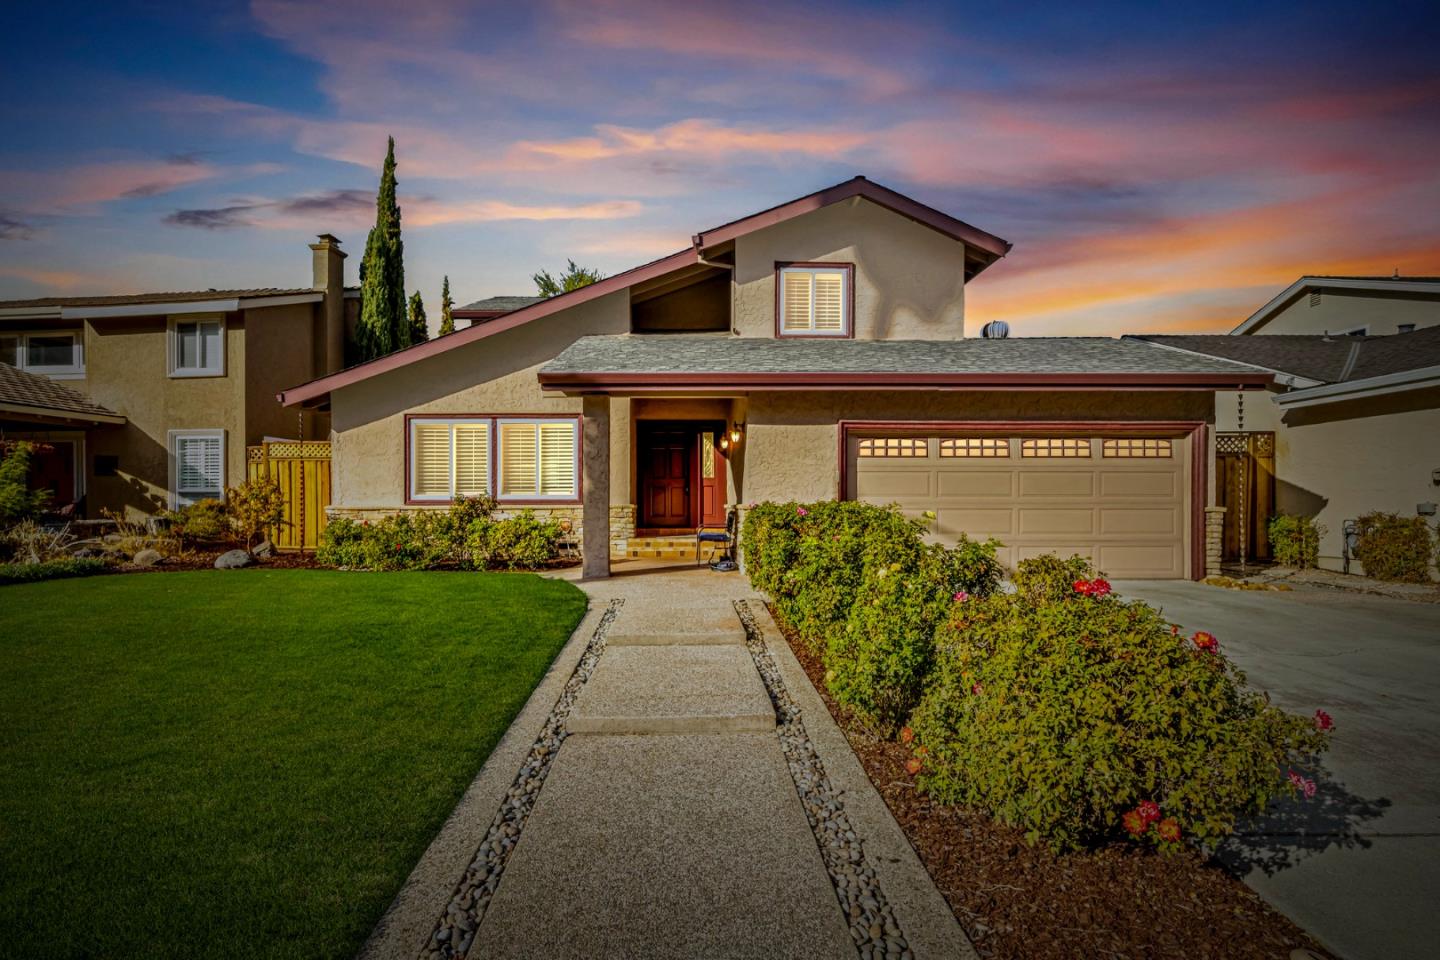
(873, 926)
(455, 929)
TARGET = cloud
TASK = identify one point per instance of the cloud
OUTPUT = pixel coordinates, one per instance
(217, 218)
(13, 229)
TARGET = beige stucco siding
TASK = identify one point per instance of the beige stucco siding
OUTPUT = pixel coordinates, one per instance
(1340, 311)
(493, 375)
(282, 348)
(909, 279)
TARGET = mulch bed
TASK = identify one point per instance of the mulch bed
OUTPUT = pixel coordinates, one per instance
(1026, 903)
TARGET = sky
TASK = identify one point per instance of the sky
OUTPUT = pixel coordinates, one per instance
(1157, 166)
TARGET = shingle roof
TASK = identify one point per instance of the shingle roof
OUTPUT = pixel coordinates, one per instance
(19, 388)
(138, 298)
(504, 304)
(1315, 356)
(706, 353)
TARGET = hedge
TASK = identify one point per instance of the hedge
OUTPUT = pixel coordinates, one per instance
(50, 570)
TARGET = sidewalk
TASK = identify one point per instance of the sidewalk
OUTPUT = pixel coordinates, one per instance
(673, 789)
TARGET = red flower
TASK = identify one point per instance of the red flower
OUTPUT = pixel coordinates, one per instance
(961, 597)
(1323, 721)
(1082, 586)
(801, 511)
(1135, 824)
(1149, 810)
(906, 735)
(1174, 629)
(1168, 829)
(1099, 587)
(976, 689)
(1206, 641)
(913, 765)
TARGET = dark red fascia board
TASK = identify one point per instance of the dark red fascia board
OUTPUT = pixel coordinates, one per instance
(317, 390)
(657, 382)
(857, 187)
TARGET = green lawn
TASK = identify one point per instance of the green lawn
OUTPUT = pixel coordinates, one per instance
(247, 763)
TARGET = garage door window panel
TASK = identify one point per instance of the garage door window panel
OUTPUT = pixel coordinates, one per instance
(1055, 448)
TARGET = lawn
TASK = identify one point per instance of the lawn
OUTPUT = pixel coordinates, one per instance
(248, 763)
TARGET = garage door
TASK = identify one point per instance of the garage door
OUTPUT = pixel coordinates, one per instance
(1122, 501)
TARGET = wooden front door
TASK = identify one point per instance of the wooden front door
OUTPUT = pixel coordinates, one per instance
(666, 479)
(52, 468)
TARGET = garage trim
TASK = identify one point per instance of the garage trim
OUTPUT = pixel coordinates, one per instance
(1196, 431)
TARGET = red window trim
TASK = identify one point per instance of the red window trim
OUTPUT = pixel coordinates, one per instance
(494, 460)
(845, 265)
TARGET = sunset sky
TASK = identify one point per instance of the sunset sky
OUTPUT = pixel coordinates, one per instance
(1155, 170)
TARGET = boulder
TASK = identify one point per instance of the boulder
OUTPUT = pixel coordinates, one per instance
(264, 549)
(233, 560)
(146, 558)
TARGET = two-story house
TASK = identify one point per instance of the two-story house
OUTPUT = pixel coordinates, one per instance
(145, 402)
(1349, 422)
(813, 350)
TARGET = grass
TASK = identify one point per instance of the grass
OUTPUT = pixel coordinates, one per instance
(245, 764)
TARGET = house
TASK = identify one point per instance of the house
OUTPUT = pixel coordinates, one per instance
(492, 307)
(1349, 422)
(813, 350)
(171, 386)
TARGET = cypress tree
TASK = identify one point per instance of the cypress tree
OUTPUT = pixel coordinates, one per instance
(419, 326)
(384, 327)
(447, 307)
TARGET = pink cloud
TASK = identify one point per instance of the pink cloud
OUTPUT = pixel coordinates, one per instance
(86, 186)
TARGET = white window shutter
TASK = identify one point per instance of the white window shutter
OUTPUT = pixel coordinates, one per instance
(519, 459)
(557, 459)
(829, 298)
(472, 459)
(796, 296)
(430, 474)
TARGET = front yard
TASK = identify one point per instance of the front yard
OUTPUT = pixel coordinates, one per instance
(245, 764)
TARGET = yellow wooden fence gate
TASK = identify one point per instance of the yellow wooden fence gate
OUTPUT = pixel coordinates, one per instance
(302, 468)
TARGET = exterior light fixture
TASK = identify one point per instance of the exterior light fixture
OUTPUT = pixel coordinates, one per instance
(735, 432)
(724, 443)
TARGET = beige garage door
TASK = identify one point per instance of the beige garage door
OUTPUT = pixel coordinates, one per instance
(1122, 501)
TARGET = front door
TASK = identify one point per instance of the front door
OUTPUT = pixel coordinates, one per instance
(52, 468)
(666, 479)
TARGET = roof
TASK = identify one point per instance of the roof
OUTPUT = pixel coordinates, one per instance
(496, 305)
(640, 362)
(26, 394)
(138, 298)
(1317, 357)
(1391, 284)
(144, 304)
(316, 392)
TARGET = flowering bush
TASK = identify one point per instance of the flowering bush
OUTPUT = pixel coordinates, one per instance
(467, 535)
(516, 542)
(1393, 547)
(1295, 541)
(1077, 717)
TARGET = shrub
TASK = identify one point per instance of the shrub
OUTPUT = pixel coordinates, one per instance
(521, 541)
(254, 507)
(50, 570)
(466, 535)
(400, 542)
(17, 500)
(29, 542)
(203, 520)
(1049, 579)
(1295, 541)
(1081, 717)
(1393, 547)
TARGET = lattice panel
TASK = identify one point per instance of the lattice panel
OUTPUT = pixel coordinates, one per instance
(987, 447)
(289, 449)
(894, 447)
(1137, 448)
(1231, 442)
(1064, 448)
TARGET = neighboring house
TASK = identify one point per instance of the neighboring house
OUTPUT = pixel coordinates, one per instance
(1352, 416)
(177, 384)
(492, 307)
(813, 350)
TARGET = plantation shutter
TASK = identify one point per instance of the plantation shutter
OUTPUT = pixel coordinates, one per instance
(519, 458)
(557, 459)
(430, 475)
(472, 459)
(199, 471)
(829, 300)
(796, 295)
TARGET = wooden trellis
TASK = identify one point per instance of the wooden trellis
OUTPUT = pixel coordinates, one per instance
(302, 468)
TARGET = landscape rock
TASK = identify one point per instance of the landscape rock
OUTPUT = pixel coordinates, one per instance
(147, 558)
(233, 560)
(264, 550)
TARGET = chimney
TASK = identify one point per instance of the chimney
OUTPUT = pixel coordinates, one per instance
(329, 278)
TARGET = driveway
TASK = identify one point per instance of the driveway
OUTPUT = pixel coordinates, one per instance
(1358, 865)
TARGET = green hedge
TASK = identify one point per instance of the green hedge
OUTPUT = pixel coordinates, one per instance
(1295, 541)
(1393, 547)
(51, 570)
(467, 536)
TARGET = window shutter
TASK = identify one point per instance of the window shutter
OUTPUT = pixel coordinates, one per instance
(796, 294)
(472, 459)
(197, 468)
(829, 302)
(518, 459)
(557, 459)
(431, 453)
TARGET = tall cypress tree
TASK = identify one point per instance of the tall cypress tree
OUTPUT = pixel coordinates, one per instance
(384, 327)
(419, 326)
(447, 308)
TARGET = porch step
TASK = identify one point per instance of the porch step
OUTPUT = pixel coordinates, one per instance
(664, 548)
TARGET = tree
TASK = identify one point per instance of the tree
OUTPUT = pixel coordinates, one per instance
(419, 326)
(383, 326)
(572, 279)
(17, 500)
(447, 308)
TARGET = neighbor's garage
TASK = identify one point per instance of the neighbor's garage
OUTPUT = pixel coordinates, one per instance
(1123, 500)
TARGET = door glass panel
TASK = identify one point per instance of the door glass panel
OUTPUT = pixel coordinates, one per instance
(707, 455)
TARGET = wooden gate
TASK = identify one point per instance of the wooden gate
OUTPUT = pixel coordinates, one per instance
(302, 468)
(1245, 477)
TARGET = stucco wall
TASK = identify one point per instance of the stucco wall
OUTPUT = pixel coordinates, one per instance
(1343, 310)
(792, 439)
(909, 280)
(493, 375)
(283, 347)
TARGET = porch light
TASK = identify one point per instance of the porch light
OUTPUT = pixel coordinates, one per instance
(724, 443)
(735, 432)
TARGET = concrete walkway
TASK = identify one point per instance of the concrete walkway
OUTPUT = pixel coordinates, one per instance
(696, 801)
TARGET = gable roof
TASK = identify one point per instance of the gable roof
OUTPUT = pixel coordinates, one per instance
(317, 391)
(492, 307)
(1393, 284)
(1317, 357)
(637, 363)
(180, 301)
(24, 394)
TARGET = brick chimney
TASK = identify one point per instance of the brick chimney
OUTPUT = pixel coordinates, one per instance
(328, 266)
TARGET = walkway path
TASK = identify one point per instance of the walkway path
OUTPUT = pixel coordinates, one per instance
(675, 788)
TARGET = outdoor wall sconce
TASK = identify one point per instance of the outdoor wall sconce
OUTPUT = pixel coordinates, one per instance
(736, 431)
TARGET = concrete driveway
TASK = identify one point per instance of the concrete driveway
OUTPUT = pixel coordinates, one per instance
(1358, 865)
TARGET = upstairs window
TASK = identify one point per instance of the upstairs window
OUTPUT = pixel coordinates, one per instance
(197, 347)
(814, 299)
(54, 353)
